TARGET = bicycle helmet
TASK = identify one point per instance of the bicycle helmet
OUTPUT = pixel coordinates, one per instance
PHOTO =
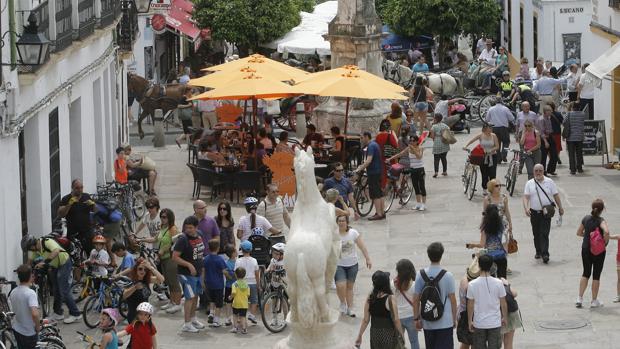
(251, 203)
(258, 231)
(27, 242)
(246, 246)
(279, 247)
(145, 307)
(113, 314)
(99, 239)
(505, 72)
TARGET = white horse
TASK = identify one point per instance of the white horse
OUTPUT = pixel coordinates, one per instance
(311, 251)
(440, 84)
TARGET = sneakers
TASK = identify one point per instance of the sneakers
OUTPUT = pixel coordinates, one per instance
(350, 312)
(188, 327)
(617, 299)
(343, 308)
(596, 303)
(166, 306)
(244, 331)
(173, 309)
(57, 317)
(234, 330)
(252, 319)
(162, 296)
(71, 319)
(422, 207)
(579, 302)
(197, 324)
(215, 324)
(228, 323)
(416, 207)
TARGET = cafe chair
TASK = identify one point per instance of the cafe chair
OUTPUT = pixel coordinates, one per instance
(247, 180)
(196, 190)
(205, 163)
(212, 179)
(192, 153)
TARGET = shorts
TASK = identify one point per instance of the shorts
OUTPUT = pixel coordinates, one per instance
(253, 294)
(420, 107)
(347, 274)
(186, 125)
(217, 297)
(227, 294)
(512, 323)
(240, 312)
(191, 286)
(171, 276)
(374, 186)
(137, 174)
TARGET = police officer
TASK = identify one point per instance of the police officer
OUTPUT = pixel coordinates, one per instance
(506, 86)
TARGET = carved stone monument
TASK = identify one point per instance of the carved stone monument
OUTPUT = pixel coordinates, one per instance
(355, 36)
(310, 261)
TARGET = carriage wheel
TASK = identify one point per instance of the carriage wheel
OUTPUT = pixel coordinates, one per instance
(286, 122)
(485, 103)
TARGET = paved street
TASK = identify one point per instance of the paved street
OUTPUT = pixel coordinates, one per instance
(546, 292)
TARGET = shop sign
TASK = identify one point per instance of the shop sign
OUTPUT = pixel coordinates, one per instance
(572, 10)
(158, 23)
(160, 4)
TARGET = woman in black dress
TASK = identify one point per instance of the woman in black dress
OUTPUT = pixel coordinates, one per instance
(381, 311)
(142, 275)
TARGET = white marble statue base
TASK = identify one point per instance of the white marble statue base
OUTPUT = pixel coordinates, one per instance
(321, 336)
(365, 118)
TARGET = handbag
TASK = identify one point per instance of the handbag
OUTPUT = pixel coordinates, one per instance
(447, 136)
(513, 245)
(548, 210)
(400, 341)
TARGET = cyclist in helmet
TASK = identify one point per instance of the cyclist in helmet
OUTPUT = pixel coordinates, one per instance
(277, 257)
(107, 323)
(251, 221)
(99, 259)
(58, 263)
(506, 86)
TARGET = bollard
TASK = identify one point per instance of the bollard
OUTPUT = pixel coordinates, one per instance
(300, 116)
(159, 139)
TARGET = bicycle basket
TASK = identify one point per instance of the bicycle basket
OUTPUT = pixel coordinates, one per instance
(396, 170)
(476, 159)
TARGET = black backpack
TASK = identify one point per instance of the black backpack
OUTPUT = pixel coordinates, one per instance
(432, 305)
(511, 302)
(65, 244)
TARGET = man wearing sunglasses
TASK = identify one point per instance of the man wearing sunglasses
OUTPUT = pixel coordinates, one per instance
(273, 209)
(339, 182)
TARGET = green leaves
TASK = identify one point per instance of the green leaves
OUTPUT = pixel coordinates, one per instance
(247, 23)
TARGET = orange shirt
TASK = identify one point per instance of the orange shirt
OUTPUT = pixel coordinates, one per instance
(120, 171)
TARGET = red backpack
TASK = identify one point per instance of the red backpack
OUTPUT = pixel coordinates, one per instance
(597, 242)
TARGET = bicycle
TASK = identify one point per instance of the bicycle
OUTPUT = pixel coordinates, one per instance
(363, 203)
(80, 290)
(42, 286)
(392, 189)
(513, 171)
(109, 295)
(470, 175)
(275, 305)
(87, 339)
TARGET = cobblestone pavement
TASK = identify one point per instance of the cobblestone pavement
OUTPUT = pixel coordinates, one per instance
(546, 292)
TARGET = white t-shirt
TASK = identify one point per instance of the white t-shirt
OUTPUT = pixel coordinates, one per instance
(530, 191)
(405, 309)
(587, 91)
(348, 250)
(152, 224)
(100, 257)
(245, 225)
(22, 299)
(273, 212)
(250, 265)
(486, 292)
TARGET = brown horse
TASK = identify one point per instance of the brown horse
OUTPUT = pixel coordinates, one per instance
(153, 96)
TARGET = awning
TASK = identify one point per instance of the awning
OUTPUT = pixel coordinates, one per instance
(602, 66)
(178, 19)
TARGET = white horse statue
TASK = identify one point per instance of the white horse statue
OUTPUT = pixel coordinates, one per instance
(310, 261)
(440, 84)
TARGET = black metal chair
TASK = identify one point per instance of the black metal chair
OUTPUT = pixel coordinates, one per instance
(212, 179)
(205, 163)
(194, 169)
(192, 153)
(247, 180)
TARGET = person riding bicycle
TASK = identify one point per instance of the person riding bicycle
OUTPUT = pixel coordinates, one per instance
(59, 265)
(251, 221)
(525, 93)
(277, 257)
(506, 86)
(99, 259)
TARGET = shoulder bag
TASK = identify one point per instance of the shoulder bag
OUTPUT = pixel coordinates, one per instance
(400, 342)
(513, 245)
(548, 210)
(447, 136)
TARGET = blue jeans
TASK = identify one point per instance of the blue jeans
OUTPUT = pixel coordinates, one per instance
(409, 325)
(62, 289)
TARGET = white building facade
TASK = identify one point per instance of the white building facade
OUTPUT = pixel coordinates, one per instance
(62, 121)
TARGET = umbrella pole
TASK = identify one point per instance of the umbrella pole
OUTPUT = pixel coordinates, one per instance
(346, 124)
(254, 130)
(245, 109)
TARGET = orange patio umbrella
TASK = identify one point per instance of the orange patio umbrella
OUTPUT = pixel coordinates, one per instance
(349, 82)
(263, 66)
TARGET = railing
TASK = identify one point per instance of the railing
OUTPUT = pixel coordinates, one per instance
(42, 12)
(110, 10)
(615, 4)
(128, 27)
(86, 15)
(64, 29)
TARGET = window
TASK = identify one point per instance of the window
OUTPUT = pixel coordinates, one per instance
(615, 4)
(22, 183)
(535, 34)
(54, 162)
(521, 34)
(509, 26)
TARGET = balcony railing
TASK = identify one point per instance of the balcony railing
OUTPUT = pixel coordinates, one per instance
(110, 10)
(615, 4)
(128, 26)
(64, 29)
(86, 15)
(42, 12)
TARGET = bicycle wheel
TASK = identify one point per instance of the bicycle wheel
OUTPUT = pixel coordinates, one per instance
(44, 299)
(79, 291)
(123, 308)
(484, 105)
(362, 200)
(92, 310)
(7, 340)
(465, 178)
(472, 183)
(286, 122)
(275, 308)
(513, 179)
(50, 342)
(406, 189)
(388, 196)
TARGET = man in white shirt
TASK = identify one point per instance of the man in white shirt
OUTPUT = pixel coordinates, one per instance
(500, 117)
(208, 113)
(25, 305)
(488, 54)
(487, 310)
(273, 209)
(585, 96)
(540, 192)
(571, 82)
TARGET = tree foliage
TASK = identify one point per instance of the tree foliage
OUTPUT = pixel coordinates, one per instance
(247, 23)
(306, 5)
(445, 18)
(380, 7)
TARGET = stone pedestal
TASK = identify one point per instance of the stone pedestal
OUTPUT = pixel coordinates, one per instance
(159, 140)
(355, 36)
(322, 336)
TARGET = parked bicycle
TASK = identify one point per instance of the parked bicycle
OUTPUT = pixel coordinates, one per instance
(513, 170)
(275, 305)
(360, 192)
(399, 186)
(109, 295)
(84, 288)
(43, 287)
(470, 175)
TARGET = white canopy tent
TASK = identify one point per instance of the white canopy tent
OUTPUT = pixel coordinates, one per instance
(307, 37)
(598, 69)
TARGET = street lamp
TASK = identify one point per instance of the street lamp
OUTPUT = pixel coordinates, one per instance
(32, 46)
(142, 6)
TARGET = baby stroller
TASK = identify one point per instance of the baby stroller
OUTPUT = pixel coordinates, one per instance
(460, 109)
